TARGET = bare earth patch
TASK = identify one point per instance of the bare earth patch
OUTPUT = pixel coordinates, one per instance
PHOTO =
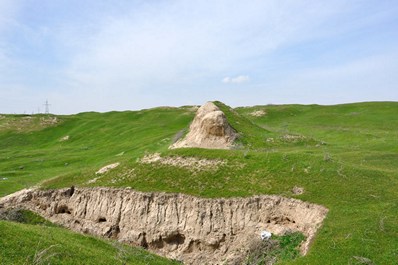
(65, 138)
(45, 121)
(297, 190)
(105, 169)
(190, 163)
(293, 138)
(258, 113)
(28, 123)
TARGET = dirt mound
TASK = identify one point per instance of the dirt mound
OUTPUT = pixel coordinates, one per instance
(187, 228)
(209, 129)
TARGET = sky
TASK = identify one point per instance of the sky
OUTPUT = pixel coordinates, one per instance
(108, 55)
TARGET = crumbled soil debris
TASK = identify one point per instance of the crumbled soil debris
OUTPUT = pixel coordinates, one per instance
(258, 113)
(292, 138)
(105, 169)
(48, 120)
(65, 138)
(190, 163)
(91, 181)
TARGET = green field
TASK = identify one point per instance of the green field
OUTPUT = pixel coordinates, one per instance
(42, 244)
(344, 156)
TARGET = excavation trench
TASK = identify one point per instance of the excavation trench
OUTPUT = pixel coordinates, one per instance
(191, 229)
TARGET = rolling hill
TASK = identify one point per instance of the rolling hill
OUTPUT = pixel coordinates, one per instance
(343, 157)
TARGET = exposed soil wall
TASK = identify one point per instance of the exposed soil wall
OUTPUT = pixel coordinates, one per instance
(209, 129)
(194, 230)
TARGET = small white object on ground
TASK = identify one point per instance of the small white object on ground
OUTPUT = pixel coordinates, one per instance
(92, 181)
(265, 235)
(65, 138)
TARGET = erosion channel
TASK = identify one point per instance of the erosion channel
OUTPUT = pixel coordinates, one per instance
(191, 229)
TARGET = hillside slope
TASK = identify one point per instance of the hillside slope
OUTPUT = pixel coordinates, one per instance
(343, 157)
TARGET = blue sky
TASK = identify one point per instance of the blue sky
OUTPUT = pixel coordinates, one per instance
(103, 56)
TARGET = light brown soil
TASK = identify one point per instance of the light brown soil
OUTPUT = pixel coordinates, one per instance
(190, 163)
(106, 168)
(191, 229)
(258, 113)
(209, 129)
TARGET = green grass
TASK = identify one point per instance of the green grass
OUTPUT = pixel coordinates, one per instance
(39, 244)
(23, 216)
(95, 140)
(278, 248)
(344, 156)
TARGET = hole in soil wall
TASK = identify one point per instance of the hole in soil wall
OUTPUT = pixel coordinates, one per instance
(157, 243)
(113, 231)
(144, 243)
(101, 220)
(70, 192)
(63, 209)
(177, 239)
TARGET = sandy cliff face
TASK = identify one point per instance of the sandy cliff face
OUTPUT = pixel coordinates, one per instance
(194, 230)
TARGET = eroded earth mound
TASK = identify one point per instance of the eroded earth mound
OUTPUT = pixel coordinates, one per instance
(209, 129)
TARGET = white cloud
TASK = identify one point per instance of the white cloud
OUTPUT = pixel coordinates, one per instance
(236, 80)
(185, 42)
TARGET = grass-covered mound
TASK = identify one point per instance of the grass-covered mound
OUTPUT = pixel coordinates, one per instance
(343, 157)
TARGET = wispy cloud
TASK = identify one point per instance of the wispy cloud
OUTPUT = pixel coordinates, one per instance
(236, 80)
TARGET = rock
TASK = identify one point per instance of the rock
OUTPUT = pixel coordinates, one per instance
(209, 129)
(194, 230)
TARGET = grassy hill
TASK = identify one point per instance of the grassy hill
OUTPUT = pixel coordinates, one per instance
(36, 241)
(344, 156)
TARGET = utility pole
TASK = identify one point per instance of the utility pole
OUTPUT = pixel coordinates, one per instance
(47, 107)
